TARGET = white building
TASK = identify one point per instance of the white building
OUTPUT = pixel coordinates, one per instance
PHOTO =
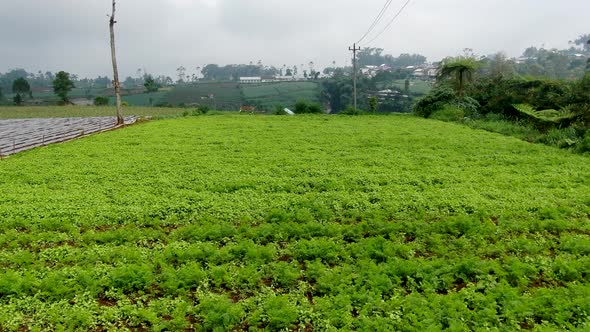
(249, 80)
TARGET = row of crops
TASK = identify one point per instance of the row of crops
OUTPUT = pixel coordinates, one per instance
(295, 223)
(285, 94)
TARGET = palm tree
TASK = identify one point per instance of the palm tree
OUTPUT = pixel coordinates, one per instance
(460, 69)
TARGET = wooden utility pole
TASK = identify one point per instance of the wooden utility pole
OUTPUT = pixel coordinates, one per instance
(116, 83)
(354, 49)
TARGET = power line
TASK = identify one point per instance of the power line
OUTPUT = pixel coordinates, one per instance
(354, 49)
(391, 22)
(377, 19)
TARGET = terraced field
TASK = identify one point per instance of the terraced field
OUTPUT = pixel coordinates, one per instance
(220, 96)
(285, 94)
(324, 223)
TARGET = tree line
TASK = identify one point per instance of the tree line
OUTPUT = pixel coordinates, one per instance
(542, 108)
(62, 84)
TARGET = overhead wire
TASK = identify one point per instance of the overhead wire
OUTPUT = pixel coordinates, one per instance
(377, 19)
(391, 21)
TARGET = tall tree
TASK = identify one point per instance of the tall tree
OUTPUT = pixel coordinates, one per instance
(116, 83)
(62, 85)
(21, 87)
(181, 74)
(151, 86)
(460, 70)
(501, 67)
(373, 104)
(583, 41)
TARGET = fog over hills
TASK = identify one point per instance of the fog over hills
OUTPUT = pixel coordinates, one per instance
(160, 35)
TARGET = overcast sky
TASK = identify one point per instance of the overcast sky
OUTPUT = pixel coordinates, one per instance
(160, 35)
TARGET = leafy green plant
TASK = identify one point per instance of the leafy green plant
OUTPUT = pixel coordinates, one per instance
(435, 101)
(350, 110)
(279, 110)
(131, 278)
(219, 313)
(562, 138)
(303, 107)
(449, 113)
(279, 313)
(584, 145)
(545, 119)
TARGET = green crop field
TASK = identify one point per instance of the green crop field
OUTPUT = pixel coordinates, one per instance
(225, 95)
(142, 99)
(286, 93)
(75, 93)
(324, 223)
(416, 86)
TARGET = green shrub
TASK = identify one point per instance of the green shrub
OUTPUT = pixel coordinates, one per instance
(101, 101)
(584, 144)
(498, 96)
(436, 100)
(201, 110)
(349, 110)
(562, 138)
(449, 113)
(469, 106)
(300, 107)
(303, 107)
(279, 110)
(314, 108)
(497, 123)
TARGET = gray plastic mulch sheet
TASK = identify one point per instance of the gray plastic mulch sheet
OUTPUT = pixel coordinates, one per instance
(18, 135)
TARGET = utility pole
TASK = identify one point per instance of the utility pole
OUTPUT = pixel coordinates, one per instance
(354, 49)
(116, 83)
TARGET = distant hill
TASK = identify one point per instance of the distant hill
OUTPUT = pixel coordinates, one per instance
(227, 96)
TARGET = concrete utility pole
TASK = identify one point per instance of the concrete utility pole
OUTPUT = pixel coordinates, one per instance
(354, 49)
(116, 82)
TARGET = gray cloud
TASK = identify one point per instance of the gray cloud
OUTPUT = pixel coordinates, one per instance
(161, 35)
